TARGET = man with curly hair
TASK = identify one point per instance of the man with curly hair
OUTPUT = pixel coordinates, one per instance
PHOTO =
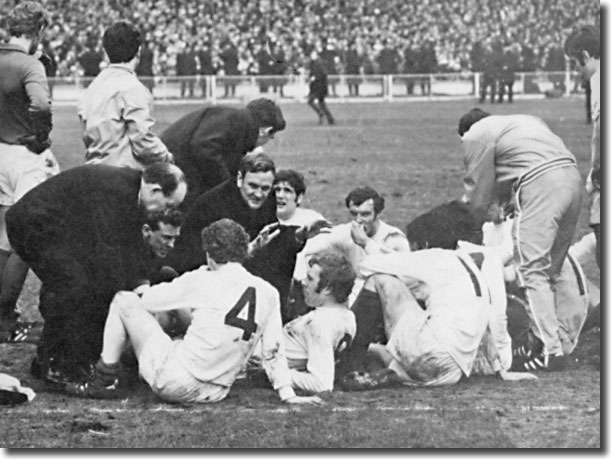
(229, 311)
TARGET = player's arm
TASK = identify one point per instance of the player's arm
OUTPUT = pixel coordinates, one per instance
(177, 294)
(320, 367)
(39, 109)
(147, 147)
(273, 358)
(480, 178)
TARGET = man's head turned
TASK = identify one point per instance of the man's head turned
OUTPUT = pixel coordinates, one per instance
(121, 41)
(583, 47)
(330, 276)
(163, 186)
(225, 241)
(268, 116)
(289, 188)
(161, 229)
(469, 119)
(28, 19)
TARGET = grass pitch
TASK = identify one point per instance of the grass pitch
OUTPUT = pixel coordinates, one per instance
(410, 152)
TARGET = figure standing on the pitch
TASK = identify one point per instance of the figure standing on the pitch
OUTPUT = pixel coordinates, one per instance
(319, 89)
(25, 124)
(115, 110)
(583, 47)
(80, 232)
(517, 157)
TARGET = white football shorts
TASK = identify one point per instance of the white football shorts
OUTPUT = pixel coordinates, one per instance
(169, 379)
(418, 356)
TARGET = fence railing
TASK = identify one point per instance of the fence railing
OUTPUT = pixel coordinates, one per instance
(215, 88)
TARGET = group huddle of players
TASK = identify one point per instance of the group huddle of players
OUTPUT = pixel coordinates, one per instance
(187, 258)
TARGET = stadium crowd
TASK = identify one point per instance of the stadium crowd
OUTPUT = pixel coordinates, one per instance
(389, 36)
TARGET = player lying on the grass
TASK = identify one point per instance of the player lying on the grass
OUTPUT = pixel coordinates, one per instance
(366, 233)
(312, 340)
(459, 329)
(450, 225)
(229, 311)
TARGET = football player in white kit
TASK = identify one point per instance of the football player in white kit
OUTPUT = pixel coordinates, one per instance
(312, 339)
(230, 311)
(461, 322)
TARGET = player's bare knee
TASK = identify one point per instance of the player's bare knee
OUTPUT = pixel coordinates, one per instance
(125, 304)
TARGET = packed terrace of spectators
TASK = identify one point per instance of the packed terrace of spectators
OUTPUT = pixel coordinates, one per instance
(295, 27)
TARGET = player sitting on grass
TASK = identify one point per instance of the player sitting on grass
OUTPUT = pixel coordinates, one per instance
(459, 329)
(451, 225)
(229, 311)
(312, 340)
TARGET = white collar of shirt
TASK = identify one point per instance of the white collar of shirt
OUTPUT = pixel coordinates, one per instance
(121, 66)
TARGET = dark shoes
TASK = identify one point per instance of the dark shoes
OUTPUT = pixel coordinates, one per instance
(55, 377)
(101, 384)
(534, 362)
(19, 332)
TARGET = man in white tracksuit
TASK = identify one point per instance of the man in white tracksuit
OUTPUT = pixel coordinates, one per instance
(519, 157)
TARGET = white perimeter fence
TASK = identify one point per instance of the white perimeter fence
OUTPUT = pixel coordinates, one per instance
(215, 88)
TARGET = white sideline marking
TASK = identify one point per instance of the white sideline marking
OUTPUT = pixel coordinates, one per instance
(336, 409)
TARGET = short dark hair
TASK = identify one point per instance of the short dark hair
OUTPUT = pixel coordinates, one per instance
(225, 241)
(293, 178)
(469, 119)
(256, 162)
(27, 18)
(443, 226)
(267, 113)
(361, 194)
(121, 41)
(336, 274)
(166, 175)
(172, 217)
(584, 38)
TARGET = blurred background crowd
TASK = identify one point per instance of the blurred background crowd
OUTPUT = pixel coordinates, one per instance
(228, 37)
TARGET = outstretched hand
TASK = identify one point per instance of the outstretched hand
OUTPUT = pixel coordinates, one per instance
(297, 400)
(313, 229)
(515, 376)
(265, 236)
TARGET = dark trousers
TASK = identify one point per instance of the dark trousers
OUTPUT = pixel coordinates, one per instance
(317, 102)
(506, 85)
(74, 300)
(487, 82)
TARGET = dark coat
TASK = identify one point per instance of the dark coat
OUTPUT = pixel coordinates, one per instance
(318, 79)
(208, 145)
(274, 263)
(186, 64)
(80, 233)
